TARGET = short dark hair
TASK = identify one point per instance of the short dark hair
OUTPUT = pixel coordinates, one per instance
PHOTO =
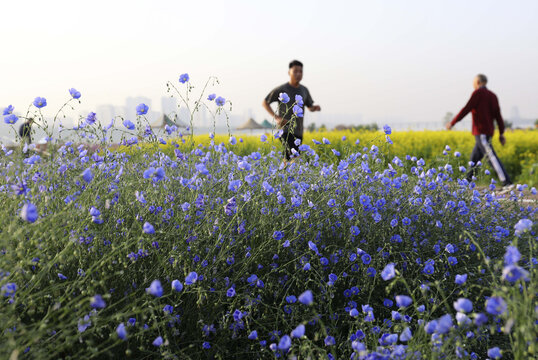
(296, 63)
(483, 79)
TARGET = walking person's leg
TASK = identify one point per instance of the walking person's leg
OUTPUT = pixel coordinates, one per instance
(476, 156)
(494, 160)
(287, 140)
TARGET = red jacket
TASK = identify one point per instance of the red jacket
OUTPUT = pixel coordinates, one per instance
(485, 107)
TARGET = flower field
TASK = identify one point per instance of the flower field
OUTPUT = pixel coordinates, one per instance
(215, 251)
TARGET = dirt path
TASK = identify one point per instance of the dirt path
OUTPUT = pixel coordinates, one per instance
(527, 196)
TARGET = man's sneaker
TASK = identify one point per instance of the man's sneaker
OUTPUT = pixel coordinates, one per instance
(506, 189)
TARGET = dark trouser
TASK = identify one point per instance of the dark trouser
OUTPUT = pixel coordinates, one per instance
(26, 140)
(288, 140)
(483, 147)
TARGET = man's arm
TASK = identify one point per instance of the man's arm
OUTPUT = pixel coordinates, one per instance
(278, 119)
(310, 103)
(471, 104)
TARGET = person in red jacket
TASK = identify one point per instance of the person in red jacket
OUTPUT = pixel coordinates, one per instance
(484, 106)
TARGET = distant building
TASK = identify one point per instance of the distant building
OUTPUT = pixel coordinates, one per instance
(168, 105)
(105, 113)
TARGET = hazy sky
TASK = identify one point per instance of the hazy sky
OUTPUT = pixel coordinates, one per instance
(387, 60)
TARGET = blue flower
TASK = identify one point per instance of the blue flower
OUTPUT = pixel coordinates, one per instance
(159, 174)
(211, 97)
(329, 341)
(142, 109)
(313, 247)
(522, 226)
(128, 124)
(403, 300)
(87, 175)
(29, 212)
(306, 298)
(9, 289)
(406, 335)
(84, 323)
(332, 279)
(253, 335)
(263, 138)
(291, 299)
(191, 278)
(122, 333)
(40, 102)
(8, 110)
(230, 292)
(177, 285)
(461, 279)
(183, 78)
(355, 230)
(233, 140)
(148, 173)
(220, 101)
(366, 259)
(428, 269)
(299, 100)
(512, 255)
(353, 312)
(298, 332)
(97, 302)
(387, 130)
(463, 305)
(298, 111)
(444, 324)
(283, 97)
(74, 93)
(91, 118)
(285, 343)
(494, 353)
(11, 119)
(62, 276)
(388, 272)
(148, 228)
(278, 235)
(513, 273)
(155, 288)
(158, 341)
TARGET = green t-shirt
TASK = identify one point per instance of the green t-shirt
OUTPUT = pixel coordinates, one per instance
(286, 110)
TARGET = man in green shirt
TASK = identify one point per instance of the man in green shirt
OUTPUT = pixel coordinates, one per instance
(292, 97)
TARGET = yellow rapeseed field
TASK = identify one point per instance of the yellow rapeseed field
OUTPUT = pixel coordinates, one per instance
(519, 155)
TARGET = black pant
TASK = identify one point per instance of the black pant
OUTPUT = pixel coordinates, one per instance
(288, 140)
(483, 147)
